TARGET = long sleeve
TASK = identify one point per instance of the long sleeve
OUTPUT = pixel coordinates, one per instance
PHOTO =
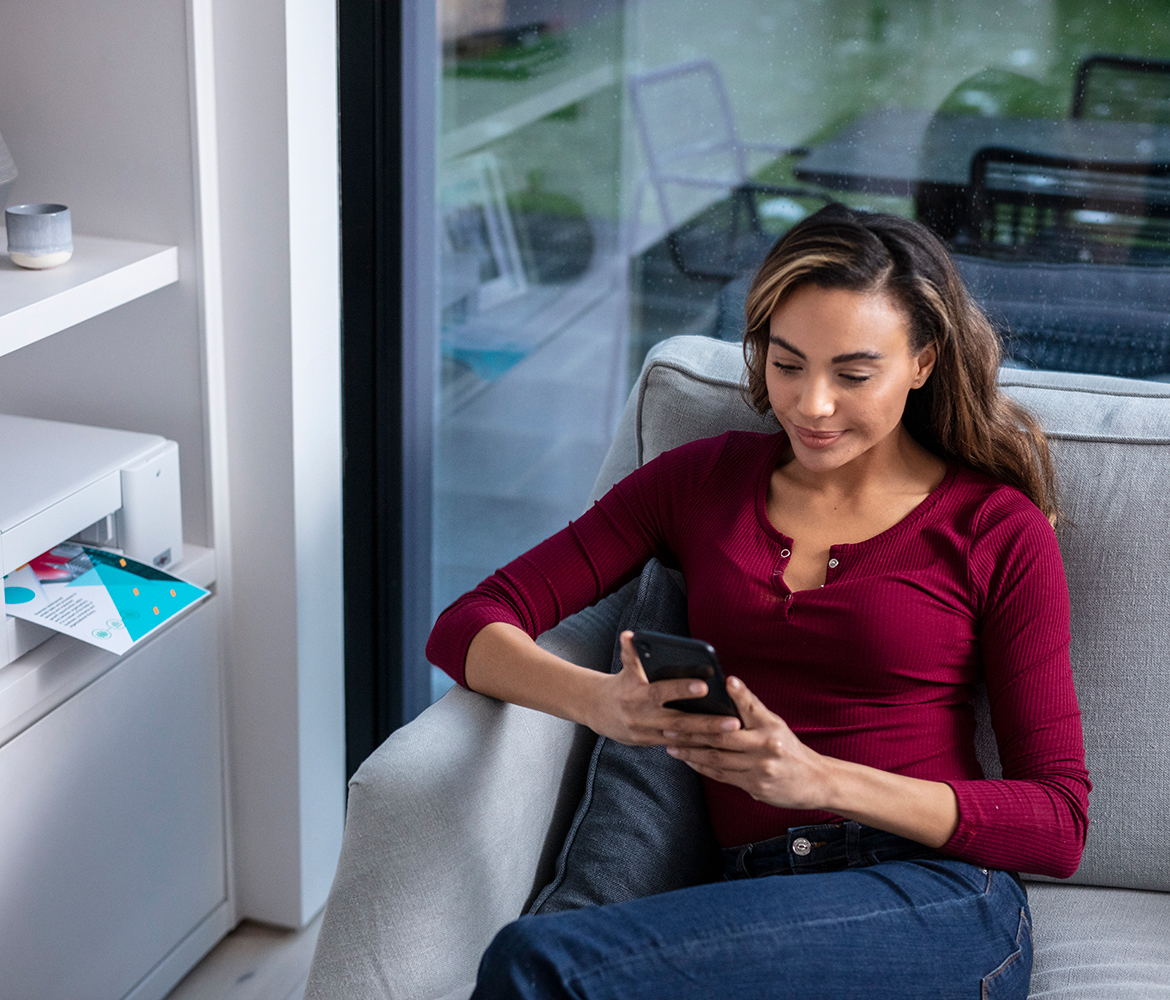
(590, 558)
(1035, 818)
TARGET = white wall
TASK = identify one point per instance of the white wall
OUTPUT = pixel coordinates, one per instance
(96, 104)
(277, 113)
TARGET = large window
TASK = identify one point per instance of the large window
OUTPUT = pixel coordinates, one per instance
(609, 173)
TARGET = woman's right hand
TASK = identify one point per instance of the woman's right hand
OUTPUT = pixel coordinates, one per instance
(504, 662)
(629, 709)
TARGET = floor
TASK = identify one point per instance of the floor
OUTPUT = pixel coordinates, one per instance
(254, 962)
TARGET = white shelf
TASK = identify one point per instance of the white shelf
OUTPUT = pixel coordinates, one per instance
(103, 273)
(525, 112)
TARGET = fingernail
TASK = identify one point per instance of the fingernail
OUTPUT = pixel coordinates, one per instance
(696, 688)
(668, 734)
(733, 683)
(673, 751)
(728, 725)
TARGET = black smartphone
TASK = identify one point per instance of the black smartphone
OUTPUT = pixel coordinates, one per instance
(668, 657)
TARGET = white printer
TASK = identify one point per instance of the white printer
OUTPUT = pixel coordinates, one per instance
(102, 487)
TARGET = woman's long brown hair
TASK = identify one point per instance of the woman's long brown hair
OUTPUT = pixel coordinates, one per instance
(960, 414)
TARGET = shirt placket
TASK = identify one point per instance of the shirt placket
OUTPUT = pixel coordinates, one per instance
(834, 566)
(778, 571)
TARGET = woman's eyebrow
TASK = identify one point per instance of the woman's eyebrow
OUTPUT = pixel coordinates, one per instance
(840, 359)
(781, 342)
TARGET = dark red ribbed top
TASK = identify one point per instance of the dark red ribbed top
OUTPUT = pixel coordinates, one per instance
(878, 666)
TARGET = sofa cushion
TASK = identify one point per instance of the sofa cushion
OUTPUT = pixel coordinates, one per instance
(1094, 943)
(1111, 442)
(641, 827)
(690, 389)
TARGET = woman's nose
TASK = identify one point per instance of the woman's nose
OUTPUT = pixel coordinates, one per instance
(817, 400)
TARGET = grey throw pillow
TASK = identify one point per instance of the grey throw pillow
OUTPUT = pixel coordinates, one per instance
(642, 826)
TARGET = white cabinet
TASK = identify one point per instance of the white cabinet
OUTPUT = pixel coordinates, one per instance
(112, 827)
(145, 117)
(113, 859)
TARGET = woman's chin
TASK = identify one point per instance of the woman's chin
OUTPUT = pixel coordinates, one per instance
(836, 456)
(822, 459)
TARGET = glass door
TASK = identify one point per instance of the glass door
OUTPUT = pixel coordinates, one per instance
(610, 173)
(532, 301)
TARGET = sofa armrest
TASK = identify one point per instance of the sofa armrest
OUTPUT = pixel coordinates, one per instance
(452, 826)
(445, 830)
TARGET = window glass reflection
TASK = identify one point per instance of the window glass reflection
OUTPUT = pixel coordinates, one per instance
(611, 173)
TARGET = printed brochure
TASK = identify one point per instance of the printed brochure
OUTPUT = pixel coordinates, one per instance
(100, 597)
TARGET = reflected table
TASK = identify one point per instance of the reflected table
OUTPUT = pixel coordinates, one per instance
(927, 156)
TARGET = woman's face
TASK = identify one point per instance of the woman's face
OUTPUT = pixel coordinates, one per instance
(839, 370)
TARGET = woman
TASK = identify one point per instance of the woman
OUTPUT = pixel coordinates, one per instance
(859, 573)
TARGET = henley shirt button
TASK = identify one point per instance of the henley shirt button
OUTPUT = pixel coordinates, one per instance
(785, 553)
(801, 846)
(832, 564)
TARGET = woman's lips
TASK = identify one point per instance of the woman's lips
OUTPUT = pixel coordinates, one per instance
(817, 439)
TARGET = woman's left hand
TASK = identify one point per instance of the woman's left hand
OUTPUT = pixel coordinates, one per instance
(764, 758)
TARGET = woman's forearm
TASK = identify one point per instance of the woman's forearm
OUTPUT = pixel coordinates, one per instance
(504, 662)
(923, 811)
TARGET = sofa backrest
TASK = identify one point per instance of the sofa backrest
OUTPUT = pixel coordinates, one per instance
(1111, 441)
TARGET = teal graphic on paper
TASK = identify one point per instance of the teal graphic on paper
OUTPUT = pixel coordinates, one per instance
(142, 603)
(100, 597)
(19, 595)
(89, 578)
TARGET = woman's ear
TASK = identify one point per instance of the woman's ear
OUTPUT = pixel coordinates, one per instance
(926, 360)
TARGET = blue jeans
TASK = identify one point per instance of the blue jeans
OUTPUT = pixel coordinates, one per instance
(828, 912)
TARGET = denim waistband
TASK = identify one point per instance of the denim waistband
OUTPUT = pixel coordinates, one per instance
(825, 847)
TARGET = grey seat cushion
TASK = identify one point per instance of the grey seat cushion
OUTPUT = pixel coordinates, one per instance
(1094, 943)
(642, 825)
(1111, 441)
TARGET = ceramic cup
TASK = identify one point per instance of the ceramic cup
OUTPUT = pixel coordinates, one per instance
(39, 236)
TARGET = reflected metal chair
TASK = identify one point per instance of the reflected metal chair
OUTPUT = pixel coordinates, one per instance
(1071, 260)
(1034, 206)
(691, 145)
(1122, 88)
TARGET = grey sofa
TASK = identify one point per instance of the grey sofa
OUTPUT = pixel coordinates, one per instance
(455, 821)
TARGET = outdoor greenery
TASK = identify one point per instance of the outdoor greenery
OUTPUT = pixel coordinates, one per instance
(797, 72)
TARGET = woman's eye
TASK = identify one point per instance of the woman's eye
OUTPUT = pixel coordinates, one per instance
(855, 378)
(786, 367)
